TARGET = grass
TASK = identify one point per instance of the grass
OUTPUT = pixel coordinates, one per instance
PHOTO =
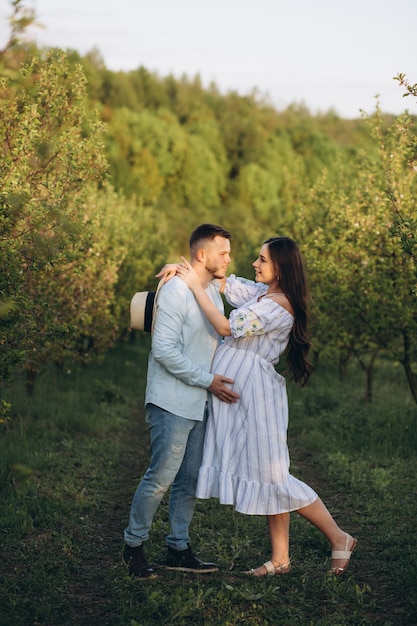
(70, 460)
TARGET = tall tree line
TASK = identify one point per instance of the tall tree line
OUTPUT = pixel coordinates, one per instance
(104, 174)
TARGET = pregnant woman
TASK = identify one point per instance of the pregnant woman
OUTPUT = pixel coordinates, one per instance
(246, 460)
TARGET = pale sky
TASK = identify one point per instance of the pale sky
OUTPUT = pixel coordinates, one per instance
(325, 54)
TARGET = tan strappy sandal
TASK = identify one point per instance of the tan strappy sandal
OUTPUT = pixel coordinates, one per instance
(272, 570)
(343, 554)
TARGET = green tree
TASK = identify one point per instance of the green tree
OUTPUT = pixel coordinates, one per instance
(52, 154)
(20, 20)
(152, 155)
(364, 281)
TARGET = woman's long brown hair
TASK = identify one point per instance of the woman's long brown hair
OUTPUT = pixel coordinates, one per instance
(288, 262)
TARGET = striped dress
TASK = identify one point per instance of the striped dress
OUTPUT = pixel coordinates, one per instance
(246, 460)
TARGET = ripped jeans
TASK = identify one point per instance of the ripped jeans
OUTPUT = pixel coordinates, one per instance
(176, 446)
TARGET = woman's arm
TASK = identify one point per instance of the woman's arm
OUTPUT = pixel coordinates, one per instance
(222, 282)
(216, 319)
(168, 271)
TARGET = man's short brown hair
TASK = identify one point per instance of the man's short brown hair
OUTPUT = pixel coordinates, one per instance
(207, 232)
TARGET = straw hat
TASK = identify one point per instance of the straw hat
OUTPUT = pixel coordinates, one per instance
(142, 309)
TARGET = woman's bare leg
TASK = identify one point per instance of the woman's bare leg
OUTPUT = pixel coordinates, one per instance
(279, 531)
(318, 515)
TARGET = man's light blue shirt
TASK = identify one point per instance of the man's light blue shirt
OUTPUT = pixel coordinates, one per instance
(183, 346)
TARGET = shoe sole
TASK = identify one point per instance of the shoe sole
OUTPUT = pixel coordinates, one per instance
(190, 569)
(146, 577)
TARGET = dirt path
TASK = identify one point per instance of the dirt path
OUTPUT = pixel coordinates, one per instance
(91, 603)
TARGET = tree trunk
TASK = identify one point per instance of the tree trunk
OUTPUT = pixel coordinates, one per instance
(369, 376)
(406, 361)
(30, 380)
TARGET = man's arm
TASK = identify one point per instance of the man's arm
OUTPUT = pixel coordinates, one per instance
(169, 320)
(171, 313)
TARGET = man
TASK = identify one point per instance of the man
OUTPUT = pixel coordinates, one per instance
(179, 377)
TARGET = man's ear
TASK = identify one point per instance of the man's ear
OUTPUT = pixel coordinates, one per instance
(200, 255)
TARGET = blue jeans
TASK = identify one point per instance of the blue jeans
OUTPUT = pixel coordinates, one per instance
(176, 445)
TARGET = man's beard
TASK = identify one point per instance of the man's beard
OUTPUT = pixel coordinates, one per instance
(216, 272)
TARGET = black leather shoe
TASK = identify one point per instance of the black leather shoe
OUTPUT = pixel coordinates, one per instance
(136, 562)
(186, 561)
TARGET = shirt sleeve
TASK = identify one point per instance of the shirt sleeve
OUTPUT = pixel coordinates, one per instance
(260, 318)
(239, 290)
(172, 305)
